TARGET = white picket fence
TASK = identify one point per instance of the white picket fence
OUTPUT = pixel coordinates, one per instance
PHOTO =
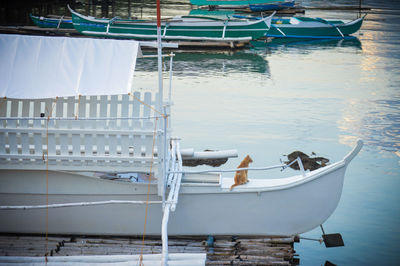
(87, 133)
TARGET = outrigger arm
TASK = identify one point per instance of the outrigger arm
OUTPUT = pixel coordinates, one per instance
(174, 183)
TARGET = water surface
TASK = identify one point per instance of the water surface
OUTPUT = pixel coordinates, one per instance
(313, 96)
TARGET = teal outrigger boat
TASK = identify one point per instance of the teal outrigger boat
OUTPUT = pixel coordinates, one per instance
(311, 28)
(231, 2)
(303, 27)
(184, 28)
(53, 22)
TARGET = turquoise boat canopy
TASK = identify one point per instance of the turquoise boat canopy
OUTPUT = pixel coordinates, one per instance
(34, 67)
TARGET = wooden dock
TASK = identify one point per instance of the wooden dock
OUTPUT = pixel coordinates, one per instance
(221, 250)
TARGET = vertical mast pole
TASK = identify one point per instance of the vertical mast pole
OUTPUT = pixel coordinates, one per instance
(162, 176)
(160, 85)
(161, 181)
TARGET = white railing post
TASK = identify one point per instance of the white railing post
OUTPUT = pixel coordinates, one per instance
(164, 235)
(178, 177)
(170, 78)
(170, 205)
(300, 163)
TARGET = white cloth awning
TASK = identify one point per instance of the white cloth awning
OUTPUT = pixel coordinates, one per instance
(47, 67)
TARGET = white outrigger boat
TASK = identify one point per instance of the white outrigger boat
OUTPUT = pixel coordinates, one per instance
(60, 156)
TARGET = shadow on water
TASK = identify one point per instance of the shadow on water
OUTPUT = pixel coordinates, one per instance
(210, 62)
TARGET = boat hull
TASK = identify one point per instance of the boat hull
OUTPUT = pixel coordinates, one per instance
(43, 22)
(230, 2)
(271, 6)
(258, 208)
(314, 29)
(185, 28)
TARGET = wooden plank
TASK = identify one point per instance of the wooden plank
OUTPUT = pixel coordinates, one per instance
(12, 141)
(71, 110)
(37, 144)
(136, 124)
(113, 111)
(3, 113)
(82, 108)
(24, 143)
(225, 251)
(148, 125)
(37, 111)
(24, 123)
(25, 112)
(103, 109)
(64, 144)
(74, 142)
(51, 148)
(88, 145)
(125, 103)
(93, 104)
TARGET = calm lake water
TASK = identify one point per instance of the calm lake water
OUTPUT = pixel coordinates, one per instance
(315, 96)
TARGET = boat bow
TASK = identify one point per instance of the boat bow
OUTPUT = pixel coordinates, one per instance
(350, 156)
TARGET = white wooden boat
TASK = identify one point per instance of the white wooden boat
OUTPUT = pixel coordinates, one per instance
(286, 206)
(59, 156)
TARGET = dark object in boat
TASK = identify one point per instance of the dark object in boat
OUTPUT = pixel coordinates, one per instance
(309, 163)
(210, 162)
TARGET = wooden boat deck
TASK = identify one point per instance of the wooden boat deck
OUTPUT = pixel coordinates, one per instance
(226, 250)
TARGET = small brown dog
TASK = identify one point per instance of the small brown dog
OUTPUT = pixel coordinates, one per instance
(241, 176)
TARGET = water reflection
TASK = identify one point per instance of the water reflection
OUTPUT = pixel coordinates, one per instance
(379, 127)
(211, 63)
(306, 43)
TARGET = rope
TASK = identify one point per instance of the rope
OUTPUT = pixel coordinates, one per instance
(151, 167)
(2, 102)
(148, 193)
(77, 204)
(145, 104)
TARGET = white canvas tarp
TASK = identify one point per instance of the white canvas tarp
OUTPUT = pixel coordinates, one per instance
(46, 67)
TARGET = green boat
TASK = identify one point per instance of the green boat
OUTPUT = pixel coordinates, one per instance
(303, 27)
(183, 28)
(231, 2)
(59, 22)
(311, 28)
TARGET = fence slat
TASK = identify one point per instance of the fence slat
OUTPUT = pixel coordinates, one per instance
(78, 144)
(136, 124)
(125, 111)
(24, 143)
